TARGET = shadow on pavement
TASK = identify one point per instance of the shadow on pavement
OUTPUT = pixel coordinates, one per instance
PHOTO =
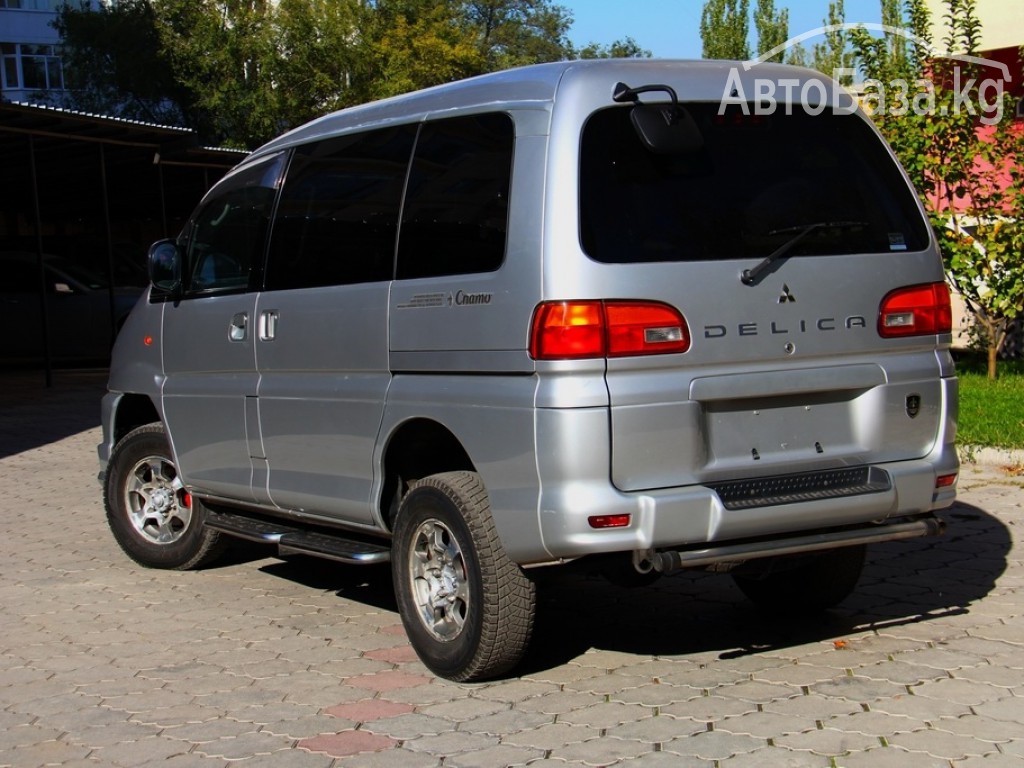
(903, 583)
(366, 584)
(33, 415)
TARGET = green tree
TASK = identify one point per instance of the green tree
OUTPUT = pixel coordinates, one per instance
(724, 29)
(962, 152)
(242, 71)
(627, 48)
(321, 62)
(772, 28)
(127, 75)
(514, 33)
(834, 55)
(223, 52)
(411, 44)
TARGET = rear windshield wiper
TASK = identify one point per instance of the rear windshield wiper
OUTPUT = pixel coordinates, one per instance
(750, 276)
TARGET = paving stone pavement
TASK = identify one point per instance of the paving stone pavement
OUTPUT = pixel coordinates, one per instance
(300, 663)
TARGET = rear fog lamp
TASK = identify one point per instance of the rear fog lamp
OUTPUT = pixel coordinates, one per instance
(609, 521)
(945, 481)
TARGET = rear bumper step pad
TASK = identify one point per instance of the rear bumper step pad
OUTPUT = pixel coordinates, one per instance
(806, 486)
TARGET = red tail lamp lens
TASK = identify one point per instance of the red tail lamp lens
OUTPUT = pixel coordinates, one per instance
(567, 330)
(644, 328)
(918, 310)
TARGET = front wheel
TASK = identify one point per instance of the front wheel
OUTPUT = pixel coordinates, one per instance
(154, 519)
(803, 583)
(467, 608)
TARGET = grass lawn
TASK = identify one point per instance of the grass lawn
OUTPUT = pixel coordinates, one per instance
(991, 412)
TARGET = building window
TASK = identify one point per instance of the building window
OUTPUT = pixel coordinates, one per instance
(32, 5)
(31, 67)
(1020, 107)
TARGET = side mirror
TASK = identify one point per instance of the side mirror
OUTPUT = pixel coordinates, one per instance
(165, 266)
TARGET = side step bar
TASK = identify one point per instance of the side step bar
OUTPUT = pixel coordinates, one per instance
(291, 540)
(668, 562)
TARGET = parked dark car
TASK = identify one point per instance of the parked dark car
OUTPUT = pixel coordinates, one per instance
(78, 307)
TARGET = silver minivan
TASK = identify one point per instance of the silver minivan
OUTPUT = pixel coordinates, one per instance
(629, 313)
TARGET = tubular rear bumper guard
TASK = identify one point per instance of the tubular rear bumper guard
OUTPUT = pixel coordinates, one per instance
(752, 549)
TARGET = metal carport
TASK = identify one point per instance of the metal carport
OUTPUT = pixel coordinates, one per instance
(96, 190)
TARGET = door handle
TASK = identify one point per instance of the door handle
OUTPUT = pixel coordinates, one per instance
(239, 327)
(268, 324)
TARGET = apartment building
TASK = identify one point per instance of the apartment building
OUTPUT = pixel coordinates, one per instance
(30, 62)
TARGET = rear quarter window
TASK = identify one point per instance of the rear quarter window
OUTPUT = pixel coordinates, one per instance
(455, 219)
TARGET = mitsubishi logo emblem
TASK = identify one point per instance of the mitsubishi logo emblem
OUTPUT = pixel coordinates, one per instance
(786, 296)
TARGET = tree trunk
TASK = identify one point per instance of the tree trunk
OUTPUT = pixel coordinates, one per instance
(993, 350)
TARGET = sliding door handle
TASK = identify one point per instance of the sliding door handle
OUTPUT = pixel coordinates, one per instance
(268, 324)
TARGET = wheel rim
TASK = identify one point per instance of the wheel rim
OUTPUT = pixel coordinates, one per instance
(158, 505)
(437, 572)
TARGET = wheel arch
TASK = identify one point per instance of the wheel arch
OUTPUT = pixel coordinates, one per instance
(417, 448)
(132, 411)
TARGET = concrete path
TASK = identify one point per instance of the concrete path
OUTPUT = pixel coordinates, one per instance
(263, 662)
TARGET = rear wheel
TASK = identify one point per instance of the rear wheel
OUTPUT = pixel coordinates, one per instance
(803, 583)
(154, 519)
(467, 608)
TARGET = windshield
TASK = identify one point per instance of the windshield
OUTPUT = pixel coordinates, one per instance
(743, 189)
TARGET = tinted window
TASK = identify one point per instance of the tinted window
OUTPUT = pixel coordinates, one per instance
(741, 189)
(227, 236)
(20, 277)
(338, 213)
(456, 211)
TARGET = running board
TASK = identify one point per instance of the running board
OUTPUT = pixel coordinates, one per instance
(668, 562)
(291, 540)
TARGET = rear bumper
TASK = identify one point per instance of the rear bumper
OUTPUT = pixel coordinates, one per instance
(695, 519)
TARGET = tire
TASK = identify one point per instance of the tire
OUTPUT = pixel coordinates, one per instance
(467, 608)
(804, 584)
(156, 522)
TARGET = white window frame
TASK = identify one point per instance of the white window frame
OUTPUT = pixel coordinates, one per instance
(53, 66)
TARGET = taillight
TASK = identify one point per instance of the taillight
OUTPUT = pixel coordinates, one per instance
(567, 330)
(572, 330)
(918, 310)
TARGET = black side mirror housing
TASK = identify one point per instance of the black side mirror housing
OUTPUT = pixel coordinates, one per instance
(165, 260)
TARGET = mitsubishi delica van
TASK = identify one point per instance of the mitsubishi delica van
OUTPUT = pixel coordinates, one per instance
(629, 314)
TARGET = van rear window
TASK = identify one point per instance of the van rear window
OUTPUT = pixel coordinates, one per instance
(742, 188)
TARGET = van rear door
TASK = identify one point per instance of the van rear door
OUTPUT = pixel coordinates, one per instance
(802, 262)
